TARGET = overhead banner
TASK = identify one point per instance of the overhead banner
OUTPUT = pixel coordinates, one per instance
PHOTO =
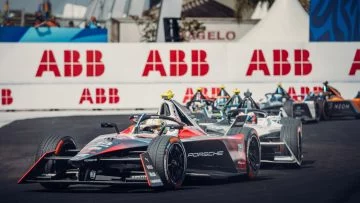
(137, 96)
(73, 76)
(178, 63)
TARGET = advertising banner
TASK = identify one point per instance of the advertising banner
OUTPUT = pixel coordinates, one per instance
(84, 76)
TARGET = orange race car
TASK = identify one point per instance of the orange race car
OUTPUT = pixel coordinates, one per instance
(336, 106)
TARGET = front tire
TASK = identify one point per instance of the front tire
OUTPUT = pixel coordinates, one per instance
(169, 159)
(59, 145)
(291, 134)
(253, 152)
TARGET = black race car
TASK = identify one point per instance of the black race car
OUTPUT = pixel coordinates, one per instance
(158, 150)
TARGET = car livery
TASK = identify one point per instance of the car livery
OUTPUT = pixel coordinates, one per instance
(335, 105)
(156, 149)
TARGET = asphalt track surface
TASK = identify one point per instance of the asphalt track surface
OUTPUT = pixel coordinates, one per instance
(330, 172)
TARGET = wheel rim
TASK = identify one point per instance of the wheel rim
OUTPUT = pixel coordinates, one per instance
(253, 154)
(176, 163)
(57, 167)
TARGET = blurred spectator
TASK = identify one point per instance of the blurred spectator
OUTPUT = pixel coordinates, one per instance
(49, 23)
(37, 23)
(52, 22)
(6, 8)
(46, 8)
(92, 24)
(71, 23)
(38, 18)
(7, 22)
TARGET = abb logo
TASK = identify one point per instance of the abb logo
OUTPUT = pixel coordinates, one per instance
(6, 98)
(72, 66)
(356, 64)
(178, 67)
(281, 65)
(101, 96)
(304, 90)
(207, 92)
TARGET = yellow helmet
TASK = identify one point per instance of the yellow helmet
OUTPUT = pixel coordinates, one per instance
(236, 91)
(167, 95)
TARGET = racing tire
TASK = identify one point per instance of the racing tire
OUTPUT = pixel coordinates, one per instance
(324, 114)
(318, 110)
(288, 107)
(169, 160)
(57, 144)
(253, 152)
(290, 121)
(291, 134)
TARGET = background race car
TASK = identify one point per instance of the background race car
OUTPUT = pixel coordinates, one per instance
(281, 102)
(203, 108)
(335, 105)
(280, 138)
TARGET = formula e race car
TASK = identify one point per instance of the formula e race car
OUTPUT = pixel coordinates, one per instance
(280, 101)
(335, 105)
(204, 108)
(157, 149)
(280, 138)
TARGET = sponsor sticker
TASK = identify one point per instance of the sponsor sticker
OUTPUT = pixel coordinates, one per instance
(205, 154)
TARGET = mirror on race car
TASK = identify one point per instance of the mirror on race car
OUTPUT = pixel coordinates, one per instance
(170, 129)
(110, 125)
(134, 119)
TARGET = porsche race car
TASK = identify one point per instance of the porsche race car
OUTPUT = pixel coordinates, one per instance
(156, 149)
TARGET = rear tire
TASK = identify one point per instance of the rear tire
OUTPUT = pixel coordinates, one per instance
(318, 110)
(291, 134)
(58, 144)
(169, 159)
(288, 107)
(324, 114)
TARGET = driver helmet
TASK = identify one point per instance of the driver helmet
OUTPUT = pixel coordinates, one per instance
(221, 101)
(251, 118)
(158, 123)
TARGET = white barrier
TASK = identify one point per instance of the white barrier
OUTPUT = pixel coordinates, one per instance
(137, 96)
(73, 76)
